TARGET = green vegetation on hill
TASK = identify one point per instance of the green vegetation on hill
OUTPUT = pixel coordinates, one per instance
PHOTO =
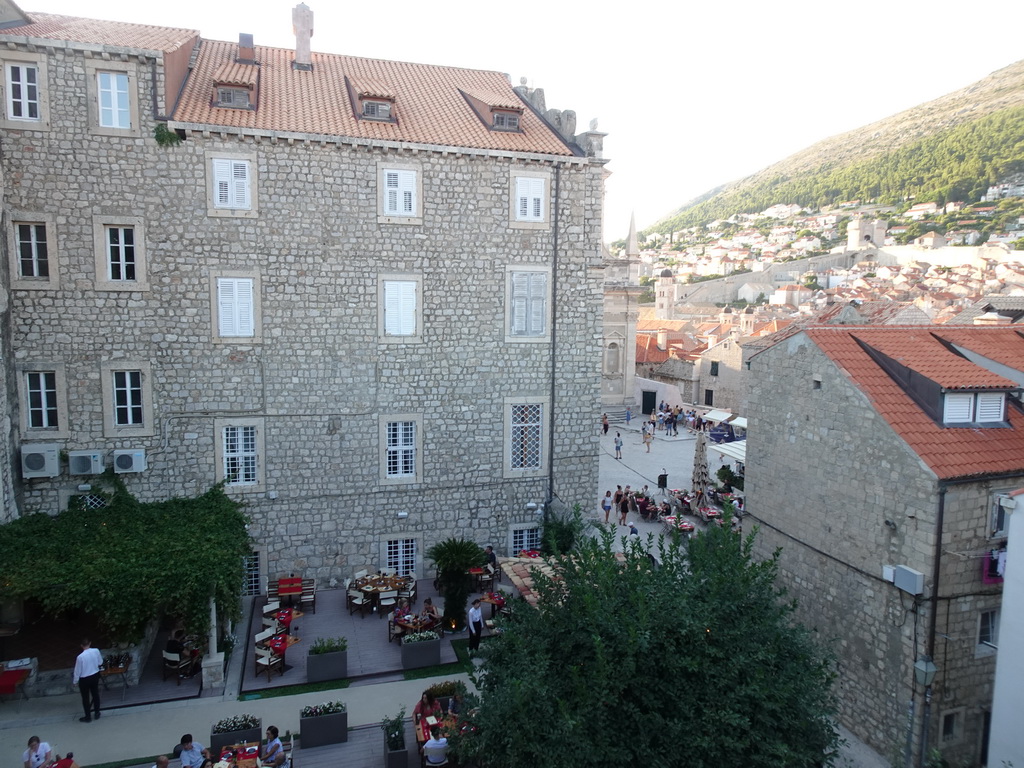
(957, 163)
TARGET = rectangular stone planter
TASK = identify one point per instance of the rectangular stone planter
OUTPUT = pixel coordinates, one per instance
(397, 758)
(424, 654)
(326, 729)
(326, 666)
(219, 740)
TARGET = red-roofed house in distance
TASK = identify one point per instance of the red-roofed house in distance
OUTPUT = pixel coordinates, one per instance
(878, 460)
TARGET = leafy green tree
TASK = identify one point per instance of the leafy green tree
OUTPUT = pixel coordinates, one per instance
(693, 662)
(453, 558)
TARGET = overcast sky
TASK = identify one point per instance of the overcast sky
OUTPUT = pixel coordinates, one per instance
(691, 94)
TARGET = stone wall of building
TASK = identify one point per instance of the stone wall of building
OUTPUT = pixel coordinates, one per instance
(728, 383)
(824, 474)
(318, 380)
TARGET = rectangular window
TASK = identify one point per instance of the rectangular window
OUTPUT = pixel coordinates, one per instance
(251, 581)
(506, 121)
(128, 398)
(526, 430)
(401, 449)
(988, 628)
(990, 407)
(237, 98)
(999, 516)
(529, 304)
(236, 307)
(240, 455)
(951, 727)
(529, 198)
(231, 184)
(401, 556)
(525, 538)
(399, 193)
(120, 253)
(22, 92)
(115, 111)
(377, 110)
(709, 397)
(714, 367)
(400, 307)
(33, 256)
(41, 390)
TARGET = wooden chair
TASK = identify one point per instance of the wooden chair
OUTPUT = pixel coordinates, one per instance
(435, 752)
(271, 607)
(272, 589)
(409, 592)
(348, 583)
(263, 636)
(267, 660)
(486, 579)
(357, 600)
(175, 665)
(394, 631)
(270, 622)
(360, 574)
(308, 599)
(389, 571)
(387, 599)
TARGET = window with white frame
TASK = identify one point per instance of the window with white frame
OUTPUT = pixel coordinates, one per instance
(400, 192)
(41, 394)
(120, 247)
(505, 121)
(526, 433)
(232, 98)
(377, 110)
(236, 307)
(988, 629)
(528, 304)
(401, 556)
(401, 449)
(251, 581)
(231, 184)
(974, 407)
(239, 454)
(525, 538)
(128, 404)
(114, 100)
(33, 252)
(530, 198)
(400, 307)
(23, 92)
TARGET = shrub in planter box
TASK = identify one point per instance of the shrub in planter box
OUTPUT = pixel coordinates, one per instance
(236, 730)
(421, 649)
(325, 723)
(327, 659)
(395, 753)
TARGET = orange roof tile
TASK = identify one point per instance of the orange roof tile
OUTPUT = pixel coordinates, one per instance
(49, 26)
(950, 452)
(647, 350)
(428, 106)
(233, 73)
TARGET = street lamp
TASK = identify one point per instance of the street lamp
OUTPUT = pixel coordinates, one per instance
(924, 671)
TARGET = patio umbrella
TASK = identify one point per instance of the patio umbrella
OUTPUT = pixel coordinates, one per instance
(701, 479)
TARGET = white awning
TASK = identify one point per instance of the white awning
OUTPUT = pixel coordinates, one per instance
(739, 421)
(735, 450)
(714, 415)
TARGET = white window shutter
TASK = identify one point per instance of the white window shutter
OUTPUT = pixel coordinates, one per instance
(391, 191)
(399, 308)
(529, 198)
(235, 305)
(958, 407)
(222, 183)
(538, 308)
(240, 184)
(408, 181)
(990, 406)
(520, 302)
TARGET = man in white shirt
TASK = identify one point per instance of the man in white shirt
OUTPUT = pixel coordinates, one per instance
(476, 625)
(87, 678)
(191, 752)
(436, 741)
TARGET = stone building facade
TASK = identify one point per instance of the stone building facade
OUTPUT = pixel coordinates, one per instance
(359, 292)
(858, 462)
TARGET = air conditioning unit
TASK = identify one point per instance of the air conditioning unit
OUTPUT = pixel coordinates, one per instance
(130, 460)
(40, 460)
(908, 580)
(85, 462)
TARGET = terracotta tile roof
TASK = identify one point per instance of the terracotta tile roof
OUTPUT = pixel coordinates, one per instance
(950, 452)
(48, 26)
(367, 87)
(429, 109)
(494, 99)
(647, 350)
(233, 73)
(1002, 345)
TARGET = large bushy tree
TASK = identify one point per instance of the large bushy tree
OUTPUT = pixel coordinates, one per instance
(696, 662)
(453, 558)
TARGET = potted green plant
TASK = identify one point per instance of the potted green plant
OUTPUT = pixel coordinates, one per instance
(444, 691)
(453, 558)
(235, 730)
(327, 659)
(396, 754)
(325, 723)
(421, 649)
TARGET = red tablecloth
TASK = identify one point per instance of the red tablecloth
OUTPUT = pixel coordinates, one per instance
(11, 679)
(289, 586)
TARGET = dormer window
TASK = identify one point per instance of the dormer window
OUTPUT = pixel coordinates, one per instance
(232, 98)
(505, 121)
(376, 110)
(974, 408)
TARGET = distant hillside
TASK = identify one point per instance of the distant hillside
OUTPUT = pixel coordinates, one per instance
(951, 148)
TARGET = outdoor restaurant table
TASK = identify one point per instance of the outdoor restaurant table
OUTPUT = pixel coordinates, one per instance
(11, 679)
(413, 623)
(372, 586)
(476, 573)
(242, 755)
(495, 599)
(423, 726)
(285, 617)
(281, 643)
(290, 587)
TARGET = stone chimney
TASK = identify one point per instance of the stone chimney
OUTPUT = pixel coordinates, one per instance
(992, 318)
(246, 50)
(663, 339)
(302, 27)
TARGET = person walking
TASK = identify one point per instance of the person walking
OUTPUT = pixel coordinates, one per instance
(618, 446)
(624, 506)
(476, 625)
(629, 415)
(87, 678)
(648, 439)
(604, 423)
(606, 504)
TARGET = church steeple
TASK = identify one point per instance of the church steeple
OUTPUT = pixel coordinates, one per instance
(632, 244)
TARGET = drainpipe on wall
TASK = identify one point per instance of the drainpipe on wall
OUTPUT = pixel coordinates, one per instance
(554, 339)
(932, 618)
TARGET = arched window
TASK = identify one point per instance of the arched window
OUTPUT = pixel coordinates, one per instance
(611, 358)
